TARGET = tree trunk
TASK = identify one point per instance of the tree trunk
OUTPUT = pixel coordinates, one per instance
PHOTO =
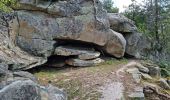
(156, 21)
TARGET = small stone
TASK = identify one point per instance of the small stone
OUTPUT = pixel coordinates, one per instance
(154, 70)
(142, 68)
(151, 85)
(132, 70)
(163, 83)
(24, 74)
(146, 76)
(139, 66)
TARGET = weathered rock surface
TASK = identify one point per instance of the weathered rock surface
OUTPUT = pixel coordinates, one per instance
(121, 24)
(163, 83)
(84, 63)
(154, 70)
(152, 92)
(22, 85)
(10, 53)
(82, 53)
(133, 46)
(146, 76)
(30, 35)
(139, 66)
(137, 45)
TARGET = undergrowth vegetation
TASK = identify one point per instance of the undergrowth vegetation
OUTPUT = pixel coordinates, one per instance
(165, 68)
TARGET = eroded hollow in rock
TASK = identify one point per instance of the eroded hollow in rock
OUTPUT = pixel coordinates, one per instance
(74, 53)
(57, 61)
(81, 44)
(53, 62)
(76, 43)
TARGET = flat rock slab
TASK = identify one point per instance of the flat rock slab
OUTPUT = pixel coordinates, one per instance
(82, 53)
(84, 63)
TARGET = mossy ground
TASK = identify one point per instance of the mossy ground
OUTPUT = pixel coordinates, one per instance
(80, 83)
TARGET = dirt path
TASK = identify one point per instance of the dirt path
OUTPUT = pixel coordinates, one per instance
(103, 82)
(115, 90)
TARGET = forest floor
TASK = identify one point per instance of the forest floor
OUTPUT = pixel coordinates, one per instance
(106, 81)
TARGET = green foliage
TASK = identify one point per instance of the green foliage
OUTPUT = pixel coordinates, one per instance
(5, 5)
(165, 68)
(108, 5)
(154, 25)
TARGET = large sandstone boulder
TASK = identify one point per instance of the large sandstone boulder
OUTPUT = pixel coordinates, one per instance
(30, 35)
(10, 53)
(121, 24)
(137, 45)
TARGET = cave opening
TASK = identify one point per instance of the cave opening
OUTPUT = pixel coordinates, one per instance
(58, 62)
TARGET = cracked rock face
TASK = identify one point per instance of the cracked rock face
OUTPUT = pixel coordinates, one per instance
(32, 33)
(22, 85)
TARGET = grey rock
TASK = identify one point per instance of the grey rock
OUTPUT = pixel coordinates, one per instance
(20, 90)
(3, 69)
(22, 85)
(68, 29)
(168, 81)
(29, 35)
(146, 76)
(151, 91)
(37, 47)
(10, 53)
(152, 86)
(84, 63)
(120, 23)
(132, 70)
(116, 44)
(24, 74)
(82, 53)
(154, 70)
(56, 93)
(29, 90)
(140, 67)
(163, 83)
(133, 47)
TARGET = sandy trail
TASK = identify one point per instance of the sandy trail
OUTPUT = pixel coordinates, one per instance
(115, 90)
